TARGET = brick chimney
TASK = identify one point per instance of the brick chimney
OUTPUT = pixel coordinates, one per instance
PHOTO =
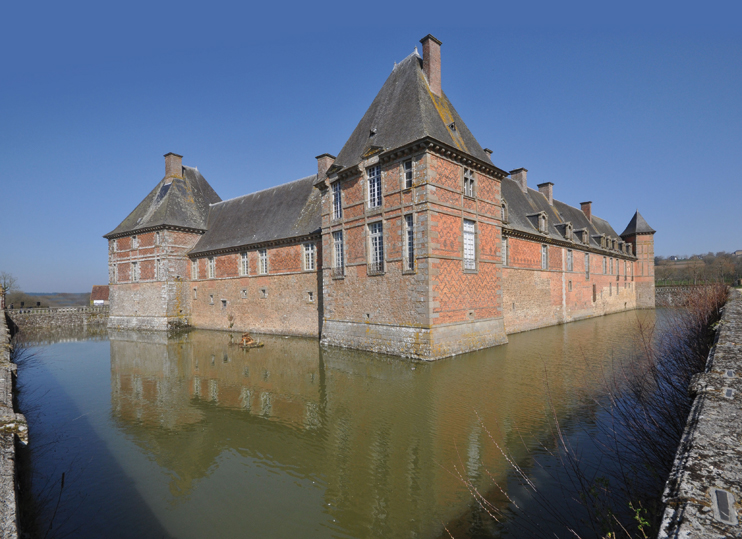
(173, 165)
(587, 209)
(519, 175)
(432, 63)
(547, 189)
(324, 162)
(488, 152)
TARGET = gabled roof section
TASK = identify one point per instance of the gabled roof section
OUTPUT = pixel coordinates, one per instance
(406, 110)
(287, 211)
(637, 225)
(174, 202)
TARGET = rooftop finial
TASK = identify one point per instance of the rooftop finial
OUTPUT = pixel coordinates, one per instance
(416, 51)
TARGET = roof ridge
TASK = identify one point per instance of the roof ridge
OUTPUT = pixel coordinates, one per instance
(263, 190)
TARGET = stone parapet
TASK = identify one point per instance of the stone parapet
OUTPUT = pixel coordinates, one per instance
(12, 425)
(28, 319)
(703, 495)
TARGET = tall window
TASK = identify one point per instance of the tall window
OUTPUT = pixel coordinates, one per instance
(376, 247)
(407, 171)
(115, 245)
(114, 273)
(194, 269)
(409, 263)
(468, 183)
(134, 271)
(544, 257)
(570, 260)
(244, 267)
(212, 267)
(587, 265)
(374, 187)
(158, 270)
(611, 266)
(470, 259)
(337, 201)
(157, 238)
(338, 254)
(263, 261)
(625, 270)
(134, 242)
(505, 260)
(310, 254)
(605, 265)
(504, 213)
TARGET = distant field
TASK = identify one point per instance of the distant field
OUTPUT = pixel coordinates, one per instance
(61, 299)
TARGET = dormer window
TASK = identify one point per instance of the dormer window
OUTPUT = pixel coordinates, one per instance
(542, 223)
(504, 212)
(568, 234)
(584, 236)
(468, 183)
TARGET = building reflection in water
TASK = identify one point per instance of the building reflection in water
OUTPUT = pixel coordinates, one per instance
(381, 436)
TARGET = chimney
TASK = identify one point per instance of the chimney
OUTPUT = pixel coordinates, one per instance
(519, 175)
(324, 162)
(173, 165)
(587, 209)
(432, 63)
(547, 189)
(488, 152)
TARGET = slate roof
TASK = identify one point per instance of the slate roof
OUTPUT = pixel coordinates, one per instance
(173, 202)
(637, 225)
(406, 110)
(286, 211)
(522, 205)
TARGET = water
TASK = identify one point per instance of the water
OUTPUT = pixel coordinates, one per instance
(194, 437)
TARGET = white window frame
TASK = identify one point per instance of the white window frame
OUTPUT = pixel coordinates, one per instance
(134, 242)
(376, 247)
(263, 261)
(407, 174)
(570, 260)
(194, 269)
(374, 186)
(587, 266)
(409, 234)
(115, 245)
(337, 201)
(544, 257)
(338, 252)
(310, 256)
(505, 253)
(212, 267)
(468, 183)
(244, 264)
(157, 237)
(470, 245)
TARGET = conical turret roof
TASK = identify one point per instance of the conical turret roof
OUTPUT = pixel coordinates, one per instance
(637, 225)
(406, 110)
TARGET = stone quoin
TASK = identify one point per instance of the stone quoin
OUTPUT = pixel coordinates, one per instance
(410, 242)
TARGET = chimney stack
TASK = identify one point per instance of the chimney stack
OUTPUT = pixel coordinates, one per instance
(173, 165)
(547, 189)
(432, 63)
(519, 175)
(324, 162)
(488, 152)
(587, 209)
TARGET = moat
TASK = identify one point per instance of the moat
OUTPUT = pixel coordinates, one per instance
(195, 437)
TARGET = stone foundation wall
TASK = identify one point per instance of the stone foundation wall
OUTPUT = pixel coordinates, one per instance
(12, 429)
(703, 495)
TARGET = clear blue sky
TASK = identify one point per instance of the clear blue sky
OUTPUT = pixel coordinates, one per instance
(630, 107)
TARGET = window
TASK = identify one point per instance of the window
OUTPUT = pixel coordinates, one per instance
(134, 242)
(570, 286)
(337, 201)
(264, 293)
(338, 255)
(409, 263)
(407, 174)
(310, 254)
(211, 299)
(544, 257)
(595, 294)
(468, 183)
(114, 273)
(243, 293)
(374, 187)
(244, 266)
(542, 223)
(194, 269)
(470, 260)
(505, 260)
(224, 304)
(115, 245)
(570, 260)
(605, 265)
(504, 213)
(158, 270)
(157, 238)
(625, 270)
(134, 271)
(376, 248)
(195, 293)
(310, 297)
(587, 266)
(212, 267)
(263, 261)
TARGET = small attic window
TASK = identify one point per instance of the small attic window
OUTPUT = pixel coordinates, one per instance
(452, 126)
(504, 212)
(542, 223)
(372, 132)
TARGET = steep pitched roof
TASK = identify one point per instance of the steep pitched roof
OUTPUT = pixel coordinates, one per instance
(173, 202)
(638, 225)
(522, 207)
(406, 110)
(286, 211)
(99, 292)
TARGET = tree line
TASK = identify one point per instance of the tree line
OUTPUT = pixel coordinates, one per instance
(721, 267)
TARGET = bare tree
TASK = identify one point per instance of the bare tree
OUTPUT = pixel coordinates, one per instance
(8, 282)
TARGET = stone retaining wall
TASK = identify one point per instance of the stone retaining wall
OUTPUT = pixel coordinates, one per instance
(673, 296)
(703, 495)
(29, 319)
(12, 428)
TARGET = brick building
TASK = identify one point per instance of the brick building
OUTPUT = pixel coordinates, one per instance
(410, 242)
